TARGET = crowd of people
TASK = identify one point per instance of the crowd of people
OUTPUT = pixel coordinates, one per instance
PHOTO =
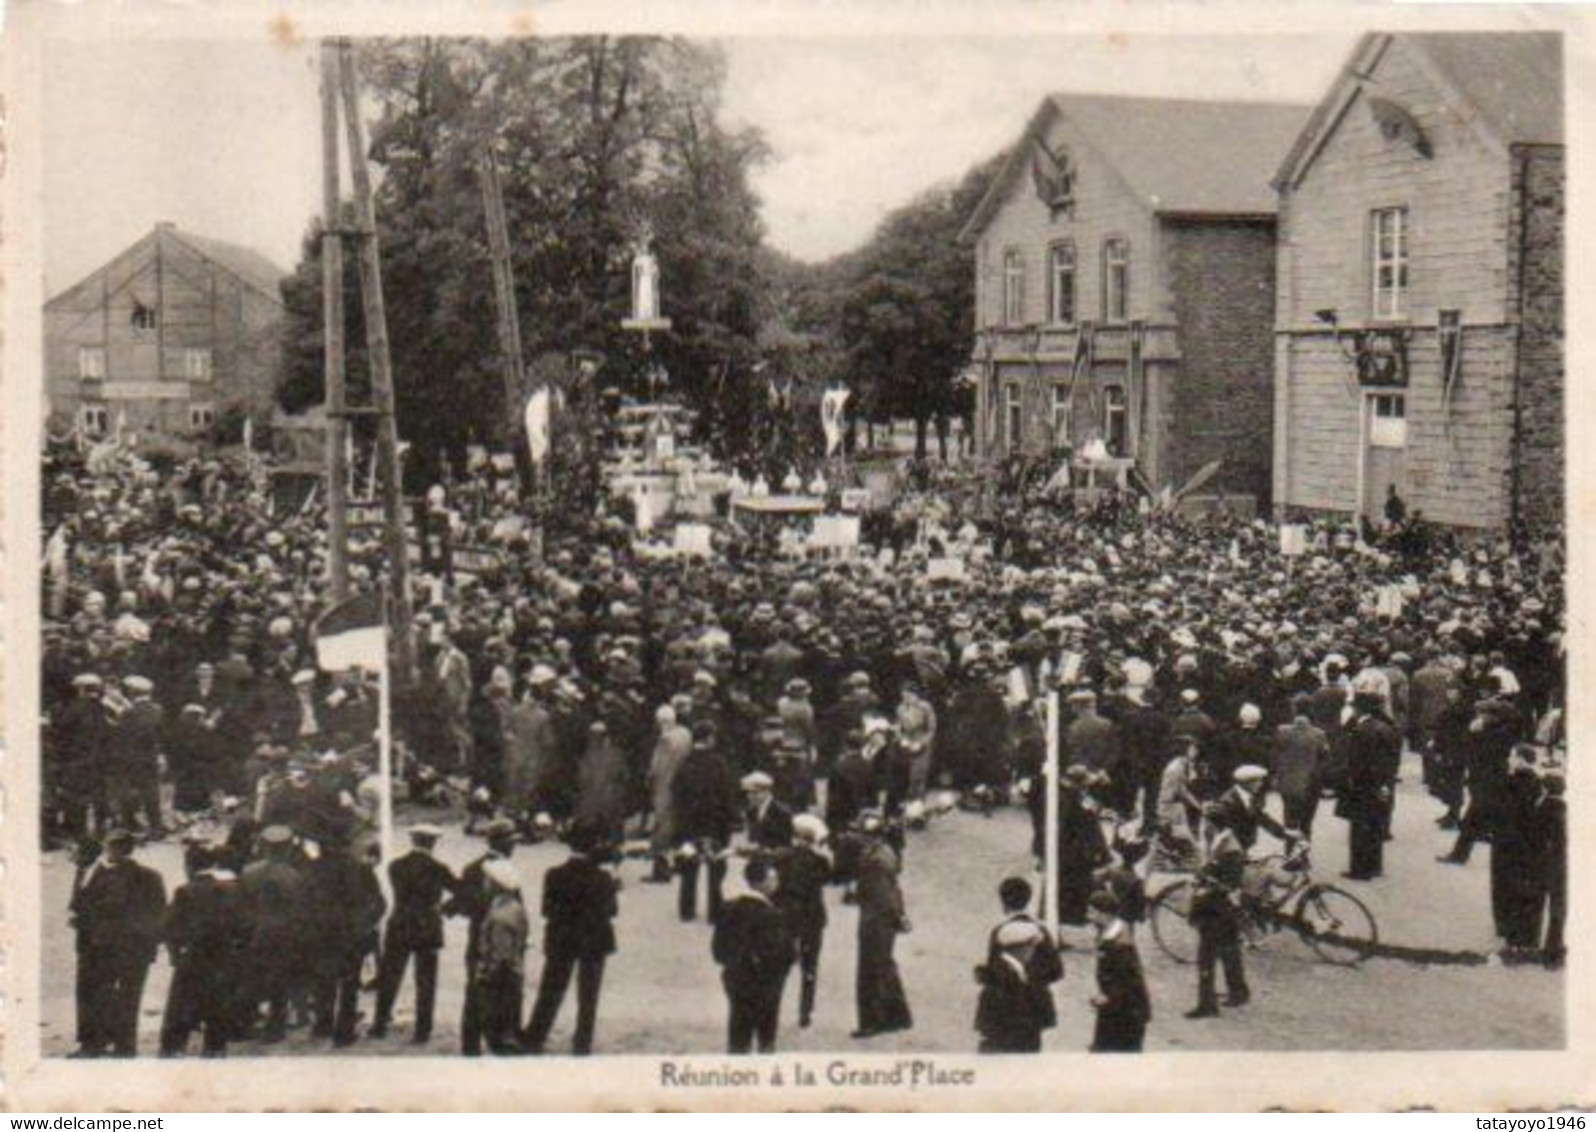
(804, 713)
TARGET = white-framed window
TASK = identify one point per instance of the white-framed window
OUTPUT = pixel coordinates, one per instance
(201, 416)
(1388, 420)
(1116, 278)
(1013, 288)
(1116, 420)
(91, 363)
(1013, 416)
(1061, 283)
(1388, 274)
(1062, 414)
(94, 419)
(197, 364)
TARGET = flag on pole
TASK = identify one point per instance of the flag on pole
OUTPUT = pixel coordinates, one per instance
(353, 634)
(832, 403)
(539, 408)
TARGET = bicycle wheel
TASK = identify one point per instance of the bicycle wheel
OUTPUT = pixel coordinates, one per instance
(1337, 925)
(1170, 915)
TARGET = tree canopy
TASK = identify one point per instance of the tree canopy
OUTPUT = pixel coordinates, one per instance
(594, 136)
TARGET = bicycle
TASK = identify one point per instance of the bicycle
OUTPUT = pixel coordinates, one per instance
(1334, 923)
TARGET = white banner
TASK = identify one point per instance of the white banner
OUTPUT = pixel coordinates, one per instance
(538, 411)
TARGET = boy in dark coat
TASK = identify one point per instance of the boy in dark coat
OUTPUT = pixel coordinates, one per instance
(1122, 1002)
(1016, 1002)
(805, 870)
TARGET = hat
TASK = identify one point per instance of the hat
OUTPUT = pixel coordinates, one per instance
(502, 874)
(139, 684)
(1250, 714)
(303, 677)
(1020, 933)
(498, 827)
(1189, 696)
(798, 687)
(425, 832)
(276, 835)
(758, 780)
(809, 828)
(87, 680)
(1250, 773)
(542, 674)
(119, 836)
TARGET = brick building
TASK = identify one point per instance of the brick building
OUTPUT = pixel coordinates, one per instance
(168, 335)
(1125, 274)
(1420, 317)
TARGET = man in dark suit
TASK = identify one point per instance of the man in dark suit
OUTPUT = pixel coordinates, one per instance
(346, 905)
(1374, 758)
(769, 823)
(579, 905)
(755, 952)
(704, 798)
(206, 934)
(118, 908)
(419, 882)
(471, 900)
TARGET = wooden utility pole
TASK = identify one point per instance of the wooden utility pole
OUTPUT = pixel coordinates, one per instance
(511, 362)
(512, 365)
(332, 310)
(381, 367)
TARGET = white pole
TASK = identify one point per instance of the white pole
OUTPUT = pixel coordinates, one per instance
(1050, 830)
(385, 762)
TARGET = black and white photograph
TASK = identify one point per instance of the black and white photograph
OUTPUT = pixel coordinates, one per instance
(746, 551)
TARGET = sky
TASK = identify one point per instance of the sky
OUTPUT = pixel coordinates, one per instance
(223, 137)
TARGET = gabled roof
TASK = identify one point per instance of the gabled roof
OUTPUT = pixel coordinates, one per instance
(1512, 80)
(1176, 155)
(247, 264)
(248, 267)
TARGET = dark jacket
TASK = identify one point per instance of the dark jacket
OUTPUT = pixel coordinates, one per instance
(705, 798)
(579, 905)
(802, 894)
(205, 926)
(420, 884)
(772, 829)
(752, 945)
(121, 911)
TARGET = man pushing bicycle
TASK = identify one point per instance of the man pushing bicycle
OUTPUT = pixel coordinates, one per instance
(1230, 887)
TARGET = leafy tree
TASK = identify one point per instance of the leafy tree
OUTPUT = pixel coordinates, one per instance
(903, 314)
(594, 136)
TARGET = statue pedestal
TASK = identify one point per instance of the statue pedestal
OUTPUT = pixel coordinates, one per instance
(646, 325)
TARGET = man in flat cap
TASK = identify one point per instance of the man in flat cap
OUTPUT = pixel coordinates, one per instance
(118, 908)
(768, 823)
(136, 776)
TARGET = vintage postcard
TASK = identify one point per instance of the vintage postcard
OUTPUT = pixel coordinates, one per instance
(781, 556)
